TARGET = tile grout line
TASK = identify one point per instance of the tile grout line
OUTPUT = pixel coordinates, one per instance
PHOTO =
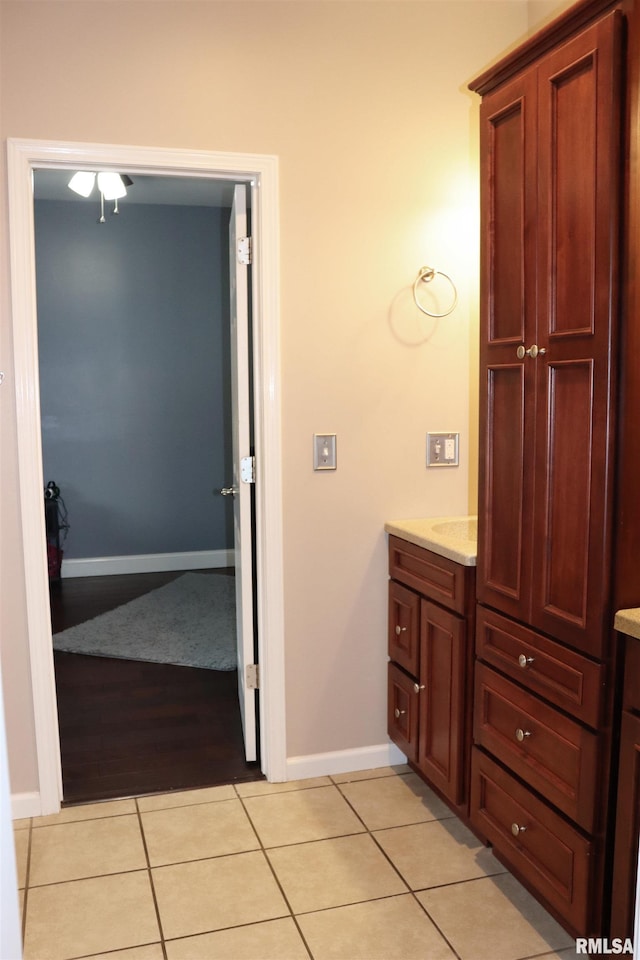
(27, 878)
(275, 877)
(151, 883)
(410, 890)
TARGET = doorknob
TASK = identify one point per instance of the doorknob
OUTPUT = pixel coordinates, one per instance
(228, 491)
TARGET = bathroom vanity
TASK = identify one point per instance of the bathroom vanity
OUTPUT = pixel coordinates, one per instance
(431, 631)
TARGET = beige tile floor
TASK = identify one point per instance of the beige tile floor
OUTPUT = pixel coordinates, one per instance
(364, 866)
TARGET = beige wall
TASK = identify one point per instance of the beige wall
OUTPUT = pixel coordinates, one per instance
(541, 11)
(366, 107)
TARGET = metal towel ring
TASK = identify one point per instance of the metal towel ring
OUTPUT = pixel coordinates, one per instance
(426, 275)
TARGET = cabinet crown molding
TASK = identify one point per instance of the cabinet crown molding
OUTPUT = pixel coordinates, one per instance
(573, 19)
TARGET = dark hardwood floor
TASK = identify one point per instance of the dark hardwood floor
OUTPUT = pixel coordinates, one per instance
(128, 727)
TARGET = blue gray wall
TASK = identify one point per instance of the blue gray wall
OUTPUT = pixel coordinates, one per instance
(133, 320)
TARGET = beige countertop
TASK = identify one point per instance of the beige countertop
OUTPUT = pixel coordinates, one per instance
(453, 537)
(628, 621)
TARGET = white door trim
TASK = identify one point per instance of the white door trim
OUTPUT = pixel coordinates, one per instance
(24, 156)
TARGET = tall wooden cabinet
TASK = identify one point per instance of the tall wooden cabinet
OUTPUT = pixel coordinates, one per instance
(551, 172)
(560, 198)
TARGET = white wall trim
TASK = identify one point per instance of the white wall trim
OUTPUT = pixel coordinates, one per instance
(25, 805)
(147, 563)
(344, 761)
(261, 171)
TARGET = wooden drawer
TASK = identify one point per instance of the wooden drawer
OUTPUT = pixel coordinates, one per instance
(404, 627)
(535, 842)
(403, 705)
(561, 676)
(553, 754)
(435, 577)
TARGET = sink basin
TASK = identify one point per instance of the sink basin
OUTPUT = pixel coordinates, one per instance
(458, 529)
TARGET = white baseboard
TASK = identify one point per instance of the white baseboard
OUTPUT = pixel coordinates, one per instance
(344, 761)
(25, 805)
(147, 563)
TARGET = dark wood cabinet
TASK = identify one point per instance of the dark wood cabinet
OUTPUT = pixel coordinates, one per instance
(625, 864)
(550, 170)
(560, 310)
(431, 613)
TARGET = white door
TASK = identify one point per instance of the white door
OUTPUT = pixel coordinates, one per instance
(241, 449)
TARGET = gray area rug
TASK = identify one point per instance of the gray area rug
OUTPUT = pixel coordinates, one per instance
(190, 622)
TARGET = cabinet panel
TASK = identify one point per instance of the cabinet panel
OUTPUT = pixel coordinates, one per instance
(579, 120)
(404, 627)
(505, 124)
(631, 696)
(536, 843)
(443, 699)
(627, 828)
(402, 711)
(556, 673)
(503, 529)
(554, 755)
(562, 558)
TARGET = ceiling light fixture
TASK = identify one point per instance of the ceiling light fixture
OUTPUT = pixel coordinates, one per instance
(112, 186)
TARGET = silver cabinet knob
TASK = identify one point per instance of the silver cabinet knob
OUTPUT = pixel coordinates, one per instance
(533, 351)
(522, 734)
(418, 687)
(400, 630)
(516, 829)
(524, 661)
(398, 713)
(229, 491)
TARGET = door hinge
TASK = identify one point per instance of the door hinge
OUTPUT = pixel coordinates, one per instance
(244, 250)
(248, 469)
(252, 676)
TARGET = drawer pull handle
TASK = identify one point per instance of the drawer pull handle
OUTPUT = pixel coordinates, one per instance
(516, 829)
(522, 734)
(398, 713)
(418, 687)
(524, 661)
(400, 630)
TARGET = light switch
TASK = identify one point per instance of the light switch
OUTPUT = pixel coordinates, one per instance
(324, 451)
(442, 449)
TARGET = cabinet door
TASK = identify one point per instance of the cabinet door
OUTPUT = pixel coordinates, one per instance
(402, 711)
(508, 175)
(577, 226)
(627, 829)
(404, 627)
(441, 737)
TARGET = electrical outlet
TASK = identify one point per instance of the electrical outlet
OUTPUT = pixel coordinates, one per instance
(442, 449)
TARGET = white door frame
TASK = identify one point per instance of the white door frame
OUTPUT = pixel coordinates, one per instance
(25, 156)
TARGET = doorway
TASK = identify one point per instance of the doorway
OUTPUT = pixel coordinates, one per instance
(261, 173)
(136, 413)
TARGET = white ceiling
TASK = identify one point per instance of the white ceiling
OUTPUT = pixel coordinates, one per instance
(188, 191)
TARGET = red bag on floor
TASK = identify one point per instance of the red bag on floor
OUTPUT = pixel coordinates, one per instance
(54, 560)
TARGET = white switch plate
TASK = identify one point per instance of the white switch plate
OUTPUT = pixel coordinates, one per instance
(442, 449)
(324, 451)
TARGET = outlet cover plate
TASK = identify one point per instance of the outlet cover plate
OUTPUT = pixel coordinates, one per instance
(324, 451)
(443, 449)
